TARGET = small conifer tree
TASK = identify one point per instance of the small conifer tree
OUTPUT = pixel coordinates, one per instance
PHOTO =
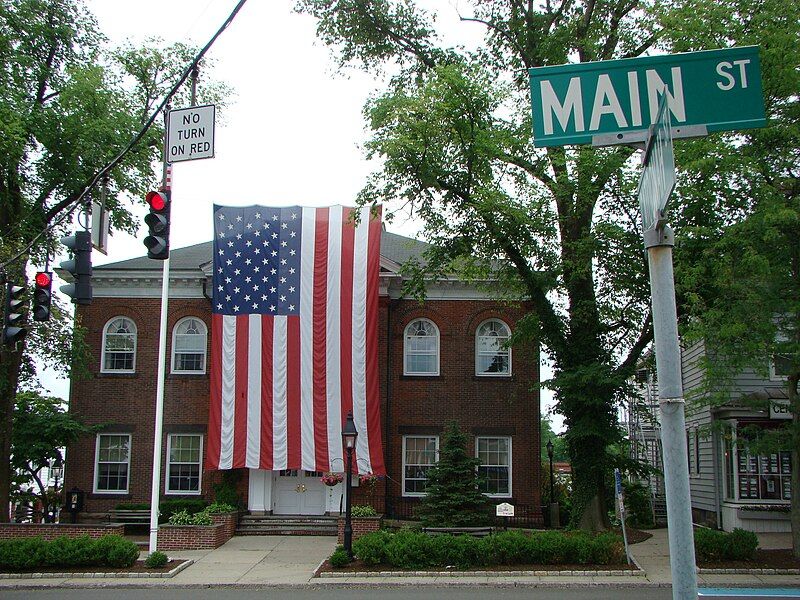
(453, 497)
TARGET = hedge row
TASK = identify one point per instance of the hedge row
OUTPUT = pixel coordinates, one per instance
(23, 554)
(712, 545)
(408, 549)
(168, 507)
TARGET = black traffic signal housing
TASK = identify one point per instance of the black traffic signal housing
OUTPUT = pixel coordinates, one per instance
(42, 295)
(157, 241)
(13, 317)
(80, 267)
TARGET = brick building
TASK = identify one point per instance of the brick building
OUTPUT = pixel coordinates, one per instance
(439, 361)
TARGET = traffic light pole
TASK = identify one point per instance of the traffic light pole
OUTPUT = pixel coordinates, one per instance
(162, 359)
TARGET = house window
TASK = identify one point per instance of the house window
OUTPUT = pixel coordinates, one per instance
(189, 346)
(492, 354)
(112, 463)
(753, 477)
(420, 453)
(689, 449)
(421, 348)
(495, 468)
(697, 451)
(184, 452)
(780, 366)
(119, 346)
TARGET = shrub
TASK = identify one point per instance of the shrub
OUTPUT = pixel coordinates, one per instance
(547, 548)
(339, 558)
(225, 492)
(202, 518)
(180, 518)
(156, 560)
(22, 554)
(711, 545)
(608, 548)
(506, 548)
(408, 550)
(741, 545)
(115, 551)
(363, 510)
(69, 552)
(28, 553)
(216, 508)
(167, 508)
(371, 547)
(461, 551)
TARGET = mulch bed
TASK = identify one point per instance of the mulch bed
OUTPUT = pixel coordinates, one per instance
(138, 567)
(359, 567)
(765, 559)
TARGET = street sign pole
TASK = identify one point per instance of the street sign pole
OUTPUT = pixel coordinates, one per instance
(655, 187)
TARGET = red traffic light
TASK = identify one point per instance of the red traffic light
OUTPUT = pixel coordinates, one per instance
(156, 200)
(43, 279)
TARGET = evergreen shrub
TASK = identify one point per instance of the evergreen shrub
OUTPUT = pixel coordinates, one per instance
(711, 545)
(156, 560)
(24, 554)
(371, 547)
(339, 558)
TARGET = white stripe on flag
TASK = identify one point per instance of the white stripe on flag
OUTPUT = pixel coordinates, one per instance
(360, 340)
(307, 338)
(228, 409)
(279, 381)
(333, 366)
(253, 392)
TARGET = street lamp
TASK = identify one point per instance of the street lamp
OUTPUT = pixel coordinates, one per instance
(555, 518)
(349, 435)
(56, 470)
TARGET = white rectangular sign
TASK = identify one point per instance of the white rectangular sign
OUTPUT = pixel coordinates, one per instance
(190, 135)
(779, 409)
(505, 510)
(658, 175)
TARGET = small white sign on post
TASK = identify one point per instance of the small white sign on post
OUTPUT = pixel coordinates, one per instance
(190, 135)
(505, 510)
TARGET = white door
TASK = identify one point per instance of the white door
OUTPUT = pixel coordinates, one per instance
(298, 493)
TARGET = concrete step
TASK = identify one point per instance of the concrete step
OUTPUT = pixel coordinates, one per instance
(287, 525)
(276, 530)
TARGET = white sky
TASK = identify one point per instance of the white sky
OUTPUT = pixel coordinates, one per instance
(293, 132)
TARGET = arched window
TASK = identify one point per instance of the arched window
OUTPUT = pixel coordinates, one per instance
(189, 346)
(421, 348)
(119, 346)
(492, 354)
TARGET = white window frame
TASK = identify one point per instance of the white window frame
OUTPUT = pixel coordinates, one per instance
(175, 351)
(403, 464)
(96, 476)
(135, 334)
(508, 349)
(510, 461)
(167, 490)
(405, 349)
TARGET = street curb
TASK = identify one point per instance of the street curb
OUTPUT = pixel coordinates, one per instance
(493, 574)
(748, 571)
(99, 575)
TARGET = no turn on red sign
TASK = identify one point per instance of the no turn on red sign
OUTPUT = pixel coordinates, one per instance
(190, 135)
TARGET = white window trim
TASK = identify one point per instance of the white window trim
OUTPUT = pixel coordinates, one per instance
(172, 368)
(510, 363)
(103, 368)
(510, 463)
(403, 464)
(438, 349)
(167, 491)
(95, 489)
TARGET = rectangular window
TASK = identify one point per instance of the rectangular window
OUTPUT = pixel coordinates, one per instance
(688, 451)
(697, 451)
(112, 463)
(184, 452)
(420, 453)
(766, 477)
(495, 468)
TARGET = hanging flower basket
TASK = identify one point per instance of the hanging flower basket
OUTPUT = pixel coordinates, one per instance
(332, 479)
(369, 479)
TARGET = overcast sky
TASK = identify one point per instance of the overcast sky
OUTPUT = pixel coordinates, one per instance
(293, 131)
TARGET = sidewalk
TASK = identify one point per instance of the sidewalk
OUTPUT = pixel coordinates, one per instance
(291, 560)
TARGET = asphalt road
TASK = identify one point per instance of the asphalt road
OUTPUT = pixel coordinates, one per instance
(328, 593)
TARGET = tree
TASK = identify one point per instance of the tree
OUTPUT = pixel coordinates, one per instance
(452, 494)
(556, 226)
(42, 427)
(547, 434)
(68, 106)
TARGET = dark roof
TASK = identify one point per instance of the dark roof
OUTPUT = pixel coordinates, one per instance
(394, 247)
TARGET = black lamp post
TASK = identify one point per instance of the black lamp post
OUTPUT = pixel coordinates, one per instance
(56, 470)
(349, 435)
(550, 456)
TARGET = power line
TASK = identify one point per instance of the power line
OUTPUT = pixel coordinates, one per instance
(136, 139)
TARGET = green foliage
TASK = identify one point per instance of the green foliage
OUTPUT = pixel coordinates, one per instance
(156, 560)
(408, 549)
(220, 507)
(133, 506)
(339, 558)
(23, 554)
(167, 508)
(639, 512)
(180, 517)
(202, 518)
(711, 545)
(371, 547)
(453, 497)
(560, 453)
(363, 510)
(225, 492)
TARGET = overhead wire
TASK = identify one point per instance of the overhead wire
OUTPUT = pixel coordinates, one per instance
(135, 140)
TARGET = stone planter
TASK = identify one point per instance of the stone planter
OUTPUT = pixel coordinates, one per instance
(198, 537)
(361, 526)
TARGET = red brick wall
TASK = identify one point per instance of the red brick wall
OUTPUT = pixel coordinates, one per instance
(489, 405)
(228, 522)
(191, 537)
(51, 531)
(360, 525)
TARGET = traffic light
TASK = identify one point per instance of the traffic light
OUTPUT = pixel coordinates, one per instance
(158, 225)
(80, 267)
(42, 295)
(13, 317)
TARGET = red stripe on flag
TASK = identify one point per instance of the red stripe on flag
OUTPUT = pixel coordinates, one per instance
(294, 450)
(267, 327)
(373, 385)
(215, 408)
(240, 416)
(320, 345)
(346, 329)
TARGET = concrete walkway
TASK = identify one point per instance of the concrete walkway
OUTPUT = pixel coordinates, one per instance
(291, 561)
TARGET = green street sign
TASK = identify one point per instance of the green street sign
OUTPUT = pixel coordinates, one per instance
(615, 101)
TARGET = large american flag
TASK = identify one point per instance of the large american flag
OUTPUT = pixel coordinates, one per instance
(294, 342)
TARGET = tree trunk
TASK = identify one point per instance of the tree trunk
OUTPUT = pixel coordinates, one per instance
(794, 405)
(9, 374)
